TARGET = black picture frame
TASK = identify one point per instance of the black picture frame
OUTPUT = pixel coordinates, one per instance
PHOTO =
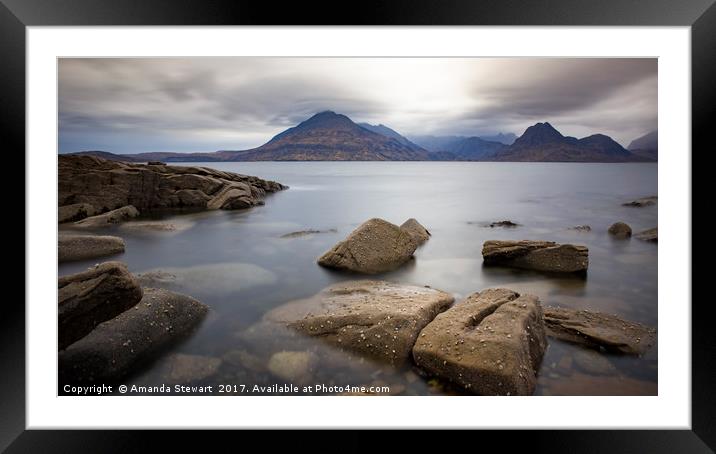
(700, 15)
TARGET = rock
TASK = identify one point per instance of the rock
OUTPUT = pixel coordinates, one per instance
(82, 247)
(244, 359)
(643, 202)
(75, 212)
(536, 255)
(156, 163)
(120, 345)
(620, 230)
(651, 235)
(107, 185)
(301, 233)
(502, 224)
(595, 329)
(109, 218)
(376, 246)
(375, 318)
(295, 367)
(593, 362)
(491, 344)
(180, 368)
(89, 298)
(419, 233)
(581, 228)
(149, 226)
(215, 279)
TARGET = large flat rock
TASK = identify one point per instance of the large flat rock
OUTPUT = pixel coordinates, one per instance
(121, 345)
(595, 329)
(88, 298)
(109, 218)
(491, 344)
(82, 247)
(376, 246)
(536, 255)
(378, 319)
(106, 185)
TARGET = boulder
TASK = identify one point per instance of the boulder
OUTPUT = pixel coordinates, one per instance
(581, 228)
(651, 235)
(89, 298)
(536, 255)
(419, 233)
(120, 345)
(643, 202)
(620, 230)
(491, 344)
(111, 217)
(506, 223)
(293, 366)
(107, 185)
(75, 212)
(180, 368)
(378, 319)
(82, 247)
(595, 330)
(376, 246)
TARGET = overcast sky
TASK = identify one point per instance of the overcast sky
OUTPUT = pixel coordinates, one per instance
(208, 104)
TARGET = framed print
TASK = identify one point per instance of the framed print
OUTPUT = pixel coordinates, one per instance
(389, 219)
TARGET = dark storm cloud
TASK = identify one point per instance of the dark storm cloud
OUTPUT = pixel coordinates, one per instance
(203, 104)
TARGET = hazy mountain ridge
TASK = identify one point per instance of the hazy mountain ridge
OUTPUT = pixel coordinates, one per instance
(646, 145)
(328, 136)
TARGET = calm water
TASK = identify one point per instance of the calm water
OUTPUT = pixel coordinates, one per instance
(241, 267)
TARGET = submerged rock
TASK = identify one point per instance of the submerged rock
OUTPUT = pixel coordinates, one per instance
(593, 362)
(581, 228)
(180, 368)
(643, 202)
(375, 318)
(492, 343)
(149, 226)
(88, 298)
(75, 212)
(109, 218)
(651, 235)
(82, 247)
(506, 223)
(536, 255)
(376, 246)
(620, 230)
(120, 345)
(107, 185)
(595, 329)
(301, 233)
(419, 233)
(293, 366)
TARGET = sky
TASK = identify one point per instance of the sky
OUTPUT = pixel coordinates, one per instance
(203, 104)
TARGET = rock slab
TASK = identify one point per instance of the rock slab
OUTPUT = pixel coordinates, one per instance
(595, 329)
(120, 345)
(491, 344)
(91, 297)
(536, 255)
(107, 185)
(651, 235)
(376, 246)
(378, 319)
(82, 247)
(109, 218)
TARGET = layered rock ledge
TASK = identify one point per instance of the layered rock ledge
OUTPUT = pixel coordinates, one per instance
(536, 255)
(595, 329)
(88, 184)
(82, 247)
(491, 344)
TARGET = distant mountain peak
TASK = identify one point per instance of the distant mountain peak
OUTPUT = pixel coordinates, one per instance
(539, 133)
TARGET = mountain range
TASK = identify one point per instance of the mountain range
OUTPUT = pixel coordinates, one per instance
(329, 136)
(646, 146)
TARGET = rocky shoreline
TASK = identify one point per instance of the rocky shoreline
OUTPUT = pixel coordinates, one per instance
(491, 342)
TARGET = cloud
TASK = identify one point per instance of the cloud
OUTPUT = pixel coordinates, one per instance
(205, 104)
